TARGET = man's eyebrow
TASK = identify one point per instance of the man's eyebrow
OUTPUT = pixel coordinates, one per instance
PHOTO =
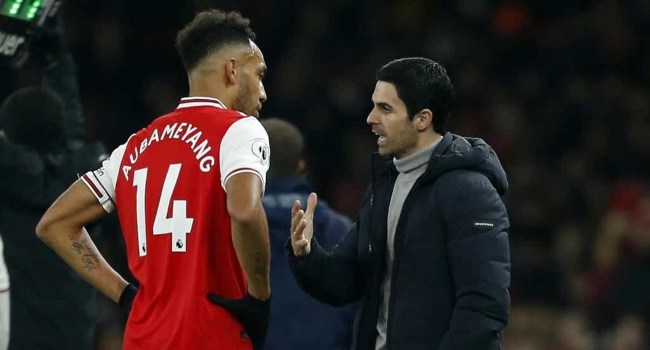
(383, 105)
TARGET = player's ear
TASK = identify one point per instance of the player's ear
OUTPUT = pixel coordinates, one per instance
(423, 119)
(231, 71)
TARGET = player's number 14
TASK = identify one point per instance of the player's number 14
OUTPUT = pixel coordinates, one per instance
(179, 225)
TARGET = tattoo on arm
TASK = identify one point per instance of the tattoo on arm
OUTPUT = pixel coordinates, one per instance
(86, 243)
(91, 261)
(88, 256)
(78, 247)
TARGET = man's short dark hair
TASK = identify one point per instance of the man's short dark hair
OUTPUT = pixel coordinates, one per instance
(33, 117)
(210, 31)
(421, 83)
(286, 144)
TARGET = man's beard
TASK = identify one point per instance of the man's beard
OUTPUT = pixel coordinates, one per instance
(242, 101)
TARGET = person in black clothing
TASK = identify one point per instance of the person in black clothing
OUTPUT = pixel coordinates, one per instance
(311, 325)
(42, 149)
(428, 256)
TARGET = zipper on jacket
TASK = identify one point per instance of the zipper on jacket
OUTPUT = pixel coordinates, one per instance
(363, 328)
(396, 260)
(377, 181)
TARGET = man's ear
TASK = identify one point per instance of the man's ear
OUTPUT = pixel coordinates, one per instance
(231, 71)
(423, 119)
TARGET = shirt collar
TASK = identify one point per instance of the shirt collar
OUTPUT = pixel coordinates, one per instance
(199, 101)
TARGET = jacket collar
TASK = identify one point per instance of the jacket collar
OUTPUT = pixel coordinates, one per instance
(383, 165)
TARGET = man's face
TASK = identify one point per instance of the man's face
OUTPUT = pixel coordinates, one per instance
(397, 135)
(251, 93)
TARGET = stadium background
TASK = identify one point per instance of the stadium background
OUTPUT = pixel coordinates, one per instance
(559, 89)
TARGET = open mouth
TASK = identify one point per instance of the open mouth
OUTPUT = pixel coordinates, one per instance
(380, 138)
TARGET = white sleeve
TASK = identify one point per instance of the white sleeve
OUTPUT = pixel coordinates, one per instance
(244, 148)
(101, 182)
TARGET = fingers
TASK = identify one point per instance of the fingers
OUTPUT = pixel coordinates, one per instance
(294, 208)
(301, 221)
(295, 219)
(300, 228)
(213, 297)
(311, 204)
(217, 300)
(297, 233)
(300, 246)
(299, 242)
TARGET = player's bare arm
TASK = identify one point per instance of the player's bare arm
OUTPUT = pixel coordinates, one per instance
(62, 229)
(250, 231)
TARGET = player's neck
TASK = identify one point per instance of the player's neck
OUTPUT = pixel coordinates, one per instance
(213, 94)
(203, 86)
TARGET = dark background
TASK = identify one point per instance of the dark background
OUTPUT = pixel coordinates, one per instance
(558, 88)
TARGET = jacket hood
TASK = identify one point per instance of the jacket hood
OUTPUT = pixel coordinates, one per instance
(455, 152)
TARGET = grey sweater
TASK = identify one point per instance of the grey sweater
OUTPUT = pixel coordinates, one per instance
(410, 169)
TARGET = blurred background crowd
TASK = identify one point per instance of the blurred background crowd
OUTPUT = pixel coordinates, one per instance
(560, 89)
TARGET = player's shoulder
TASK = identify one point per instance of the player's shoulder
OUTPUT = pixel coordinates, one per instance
(248, 132)
(247, 125)
(231, 115)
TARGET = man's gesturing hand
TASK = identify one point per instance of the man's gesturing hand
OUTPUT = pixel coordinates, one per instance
(302, 226)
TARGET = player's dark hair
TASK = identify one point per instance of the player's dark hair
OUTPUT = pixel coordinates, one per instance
(32, 117)
(421, 83)
(210, 31)
(286, 143)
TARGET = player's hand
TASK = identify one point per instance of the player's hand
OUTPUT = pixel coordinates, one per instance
(127, 296)
(252, 313)
(302, 226)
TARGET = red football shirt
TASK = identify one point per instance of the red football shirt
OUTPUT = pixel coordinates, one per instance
(168, 184)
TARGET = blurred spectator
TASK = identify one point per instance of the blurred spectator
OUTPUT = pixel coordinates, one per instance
(629, 334)
(42, 149)
(297, 320)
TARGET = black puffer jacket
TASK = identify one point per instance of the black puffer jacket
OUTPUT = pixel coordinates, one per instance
(451, 274)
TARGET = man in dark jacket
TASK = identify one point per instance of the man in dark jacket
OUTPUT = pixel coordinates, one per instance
(298, 321)
(429, 255)
(42, 149)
